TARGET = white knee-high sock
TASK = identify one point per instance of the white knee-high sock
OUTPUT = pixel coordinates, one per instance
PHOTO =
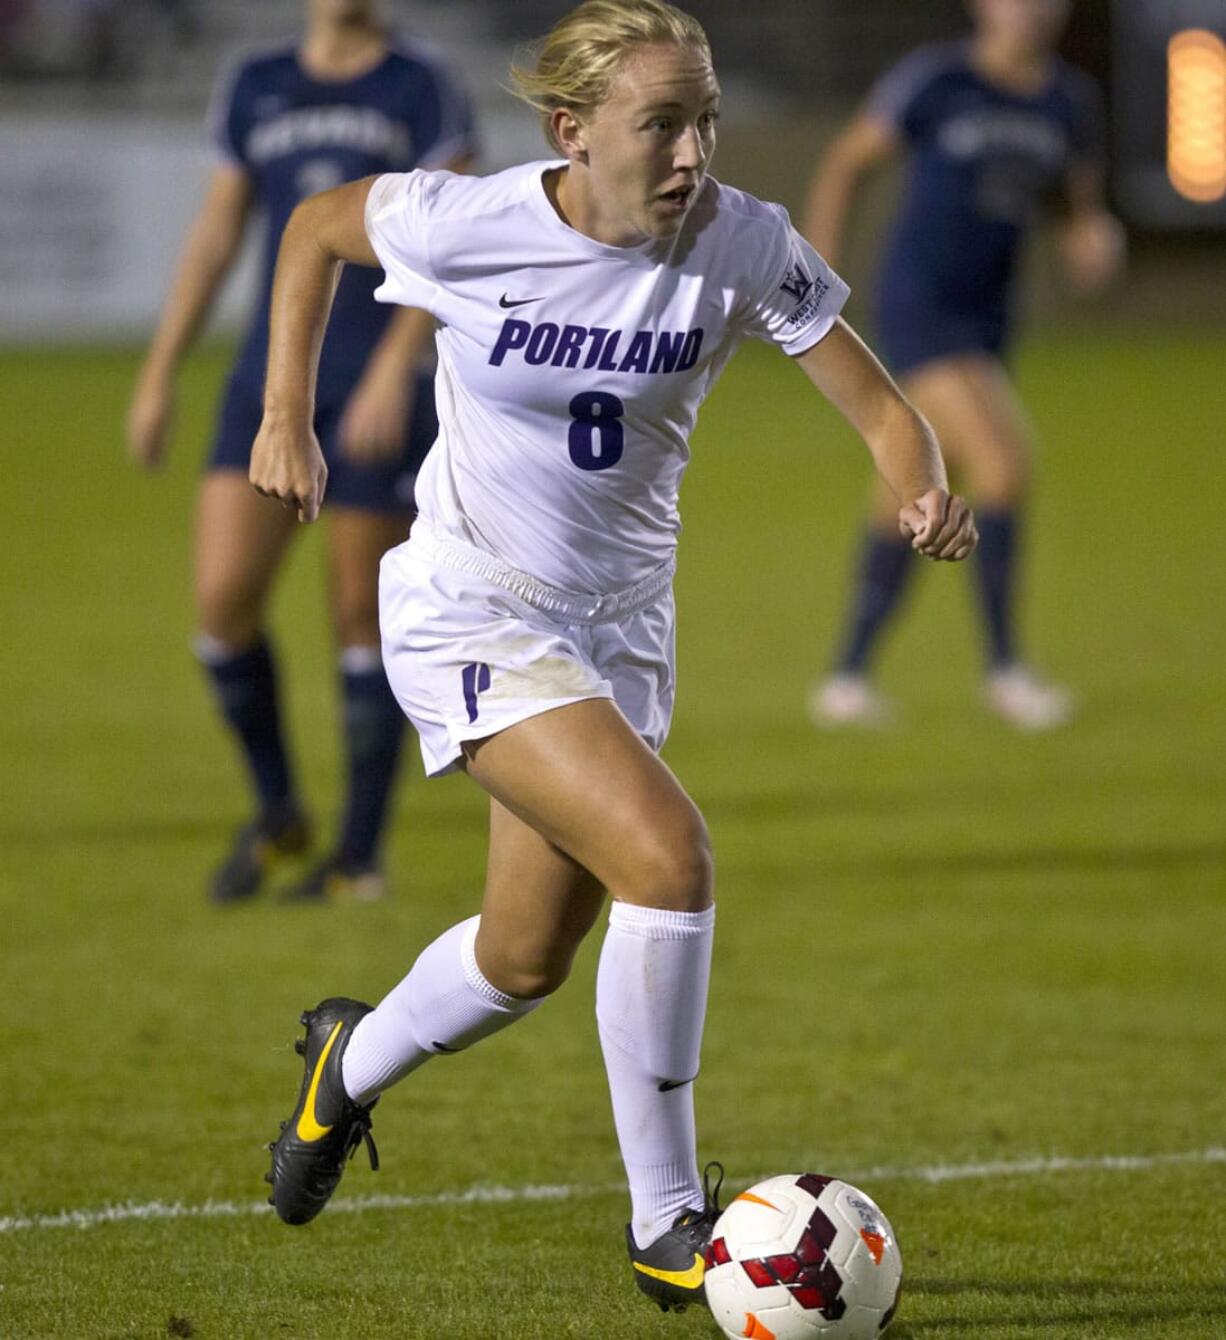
(651, 999)
(443, 1005)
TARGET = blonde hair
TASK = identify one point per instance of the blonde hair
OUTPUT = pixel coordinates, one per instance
(579, 59)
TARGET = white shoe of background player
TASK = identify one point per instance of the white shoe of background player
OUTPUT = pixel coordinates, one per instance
(847, 700)
(1016, 694)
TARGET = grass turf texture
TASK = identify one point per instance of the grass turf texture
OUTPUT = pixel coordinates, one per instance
(941, 945)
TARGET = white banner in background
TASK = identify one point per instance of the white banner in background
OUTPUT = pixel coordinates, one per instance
(93, 213)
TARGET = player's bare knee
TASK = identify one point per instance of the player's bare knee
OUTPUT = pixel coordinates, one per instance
(526, 971)
(675, 869)
(229, 611)
(1000, 481)
(529, 977)
(1008, 487)
(357, 621)
(531, 983)
(1019, 477)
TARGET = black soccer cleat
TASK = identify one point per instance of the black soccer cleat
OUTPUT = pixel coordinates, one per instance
(257, 848)
(671, 1271)
(327, 1125)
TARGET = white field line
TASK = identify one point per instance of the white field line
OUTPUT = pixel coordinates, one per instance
(510, 1195)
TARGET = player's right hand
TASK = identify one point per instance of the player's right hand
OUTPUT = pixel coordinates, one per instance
(149, 419)
(287, 464)
(939, 525)
(1093, 247)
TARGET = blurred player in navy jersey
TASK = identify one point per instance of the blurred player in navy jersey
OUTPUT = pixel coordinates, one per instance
(994, 127)
(348, 101)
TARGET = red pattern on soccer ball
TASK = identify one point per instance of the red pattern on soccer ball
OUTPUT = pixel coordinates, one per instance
(808, 1274)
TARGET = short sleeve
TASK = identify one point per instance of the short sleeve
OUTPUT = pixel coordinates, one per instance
(398, 226)
(226, 121)
(443, 125)
(802, 295)
(897, 96)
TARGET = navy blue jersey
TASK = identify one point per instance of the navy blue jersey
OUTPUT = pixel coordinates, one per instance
(295, 135)
(983, 162)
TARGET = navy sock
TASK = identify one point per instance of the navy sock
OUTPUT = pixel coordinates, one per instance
(246, 686)
(374, 728)
(885, 564)
(996, 565)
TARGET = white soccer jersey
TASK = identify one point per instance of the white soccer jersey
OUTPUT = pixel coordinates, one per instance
(571, 372)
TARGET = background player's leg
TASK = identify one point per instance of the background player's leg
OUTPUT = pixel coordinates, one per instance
(883, 571)
(240, 540)
(987, 440)
(372, 721)
(583, 780)
(983, 432)
(538, 906)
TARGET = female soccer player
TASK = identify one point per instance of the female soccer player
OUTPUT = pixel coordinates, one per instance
(348, 101)
(586, 305)
(992, 126)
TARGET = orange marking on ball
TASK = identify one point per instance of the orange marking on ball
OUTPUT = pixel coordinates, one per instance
(757, 1200)
(875, 1244)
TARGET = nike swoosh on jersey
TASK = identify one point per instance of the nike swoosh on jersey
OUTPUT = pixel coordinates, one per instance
(309, 1128)
(666, 1085)
(504, 301)
(684, 1279)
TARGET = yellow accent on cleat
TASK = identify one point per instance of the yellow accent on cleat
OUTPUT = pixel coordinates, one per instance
(683, 1279)
(309, 1128)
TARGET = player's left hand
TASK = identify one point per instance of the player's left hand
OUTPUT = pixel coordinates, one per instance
(939, 525)
(375, 420)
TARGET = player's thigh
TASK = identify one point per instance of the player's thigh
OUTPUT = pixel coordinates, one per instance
(581, 777)
(358, 538)
(240, 540)
(539, 904)
(980, 423)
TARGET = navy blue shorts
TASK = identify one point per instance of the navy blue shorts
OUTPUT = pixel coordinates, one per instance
(377, 488)
(911, 333)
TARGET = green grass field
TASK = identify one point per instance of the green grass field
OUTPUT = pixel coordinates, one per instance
(966, 968)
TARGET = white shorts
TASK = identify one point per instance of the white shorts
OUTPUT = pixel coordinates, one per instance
(472, 645)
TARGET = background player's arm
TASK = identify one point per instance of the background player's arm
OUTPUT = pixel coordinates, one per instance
(378, 410)
(208, 253)
(377, 413)
(863, 144)
(323, 232)
(1091, 238)
(938, 524)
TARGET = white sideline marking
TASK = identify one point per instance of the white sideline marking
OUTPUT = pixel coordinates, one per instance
(509, 1195)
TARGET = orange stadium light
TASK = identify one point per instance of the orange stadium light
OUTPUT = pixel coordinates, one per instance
(1196, 115)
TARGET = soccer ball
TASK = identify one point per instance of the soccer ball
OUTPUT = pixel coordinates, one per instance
(803, 1257)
